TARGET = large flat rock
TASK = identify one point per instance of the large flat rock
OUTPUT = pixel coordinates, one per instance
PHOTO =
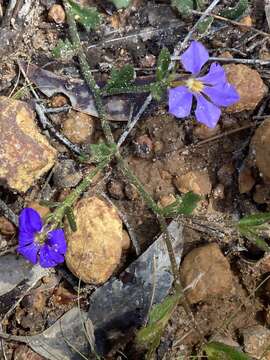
(25, 154)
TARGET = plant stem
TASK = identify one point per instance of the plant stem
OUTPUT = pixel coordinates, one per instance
(109, 137)
(132, 89)
(76, 193)
(97, 94)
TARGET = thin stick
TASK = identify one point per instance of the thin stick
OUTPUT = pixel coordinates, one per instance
(233, 60)
(46, 124)
(235, 23)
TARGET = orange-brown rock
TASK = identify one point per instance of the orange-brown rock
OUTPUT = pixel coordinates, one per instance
(208, 273)
(195, 181)
(94, 250)
(57, 14)
(261, 149)
(246, 180)
(256, 342)
(42, 210)
(78, 127)
(248, 84)
(6, 227)
(25, 154)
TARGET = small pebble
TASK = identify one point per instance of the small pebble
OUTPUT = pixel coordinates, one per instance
(78, 127)
(57, 14)
(6, 227)
(58, 101)
(66, 174)
(195, 181)
(115, 189)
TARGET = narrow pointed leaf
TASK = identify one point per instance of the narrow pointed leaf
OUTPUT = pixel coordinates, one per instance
(184, 205)
(163, 63)
(219, 351)
(255, 219)
(100, 152)
(149, 336)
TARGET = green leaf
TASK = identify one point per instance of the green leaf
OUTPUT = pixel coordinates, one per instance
(183, 6)
(158, 90)
(205, 25)
(101, 152)
(149, 336)
(71, 218)
(255, 219)
(87, 16)
(121, 78)
(251, 234)
(64, 50)
(163, 63)
(184, 205)
(219, 351)
(121, 3)
(235, 12)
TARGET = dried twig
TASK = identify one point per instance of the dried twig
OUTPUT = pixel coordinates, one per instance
(234, 60)
(46, 124)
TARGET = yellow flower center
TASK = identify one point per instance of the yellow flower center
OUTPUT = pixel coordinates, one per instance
(194, 85)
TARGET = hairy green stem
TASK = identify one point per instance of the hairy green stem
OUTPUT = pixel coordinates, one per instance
(59, 212)
(97, 94)
(132, 89)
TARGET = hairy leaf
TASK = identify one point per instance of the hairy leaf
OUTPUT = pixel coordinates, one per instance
(163, 63)
(205, 25)
(121, 3)
(100, 152)
(149, 336)
(158, 91)
(88, 16)
(183, 6)
(121, 78)
(64, 50)
(235, 12)
(251, 233)
(183, 205)
(219, 351)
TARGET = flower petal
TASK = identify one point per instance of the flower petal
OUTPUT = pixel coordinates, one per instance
(206, 112)
(194, 57)
(49, 258)
(180, 101)
(29, 252)
(216, 75)
(56, 240)
(26, 238)
(30, 221)
(222, 95)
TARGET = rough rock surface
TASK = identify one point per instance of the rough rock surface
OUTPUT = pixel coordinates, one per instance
(95, 249)
(215, 278)
(196, 181)
(25, 154)
(256, 342)
(78, 127)
(261, 150)
(248, 84)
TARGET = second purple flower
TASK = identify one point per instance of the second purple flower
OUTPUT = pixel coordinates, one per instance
(210, 91)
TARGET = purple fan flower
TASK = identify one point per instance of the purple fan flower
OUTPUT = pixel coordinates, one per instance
(34, 244)
(212, 86)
